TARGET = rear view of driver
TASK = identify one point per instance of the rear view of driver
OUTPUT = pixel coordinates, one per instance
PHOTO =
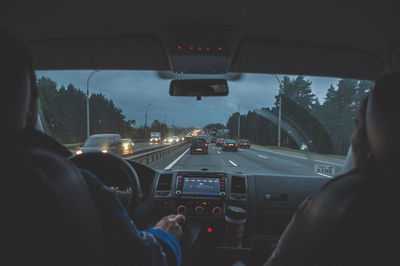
(55, 214)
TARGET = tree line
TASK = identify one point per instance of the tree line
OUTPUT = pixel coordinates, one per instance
(324, 127)
(64, 111)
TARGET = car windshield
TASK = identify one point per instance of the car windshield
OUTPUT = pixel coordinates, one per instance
(299, 125)
(96, 142)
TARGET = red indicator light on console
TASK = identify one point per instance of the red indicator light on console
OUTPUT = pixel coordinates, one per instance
(209, 229)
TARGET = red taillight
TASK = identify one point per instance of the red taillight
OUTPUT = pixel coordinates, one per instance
(236, 144)
(219, 48)
(199, 48)
(206, 144)
(179, 47)
(191, 48)
(226, 144)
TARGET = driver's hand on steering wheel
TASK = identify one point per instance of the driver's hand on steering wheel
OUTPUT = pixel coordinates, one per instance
(172, 224)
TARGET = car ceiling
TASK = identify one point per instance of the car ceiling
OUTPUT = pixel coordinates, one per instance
(329, 38)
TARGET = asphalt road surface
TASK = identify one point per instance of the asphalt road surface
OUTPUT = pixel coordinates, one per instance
(258, 160)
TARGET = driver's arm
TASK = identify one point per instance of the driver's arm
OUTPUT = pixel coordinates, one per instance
(130, 246)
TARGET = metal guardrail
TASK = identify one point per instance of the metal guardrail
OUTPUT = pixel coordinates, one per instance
(74, 145)
(146, 156)
(150, 157)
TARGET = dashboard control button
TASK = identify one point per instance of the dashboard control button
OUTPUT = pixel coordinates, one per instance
(222, 194)
(216, 211)
(181, 210)
(178, 192)
(198, 210)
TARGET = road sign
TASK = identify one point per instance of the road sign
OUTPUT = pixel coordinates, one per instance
(324, 169)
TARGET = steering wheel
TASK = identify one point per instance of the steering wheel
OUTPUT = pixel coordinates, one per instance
(112, 170)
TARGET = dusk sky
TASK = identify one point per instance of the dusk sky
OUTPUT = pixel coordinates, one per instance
(133, 90)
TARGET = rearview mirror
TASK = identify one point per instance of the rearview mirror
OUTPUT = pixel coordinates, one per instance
(198, 87)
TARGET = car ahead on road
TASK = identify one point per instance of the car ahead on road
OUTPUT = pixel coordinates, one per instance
(175, 139)
(244, 143)
(199, 145)
(219, 142)
(105, 143)
(230, 145)
(155, 137)
(213, 140)
(127, 146)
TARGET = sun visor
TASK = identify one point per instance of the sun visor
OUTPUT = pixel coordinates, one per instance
(142, 52)
(269, 56)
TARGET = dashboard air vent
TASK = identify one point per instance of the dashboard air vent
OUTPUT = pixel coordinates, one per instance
(238, 185)
(164, 182)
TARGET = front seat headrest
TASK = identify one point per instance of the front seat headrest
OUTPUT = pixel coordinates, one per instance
(382, 117)
(16, 79)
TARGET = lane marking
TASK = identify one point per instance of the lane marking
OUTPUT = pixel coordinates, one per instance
(218, 151)
(325, 175)
(176, 160)
(265, 157)
(300, 157)
(232, 163)
(240, 150)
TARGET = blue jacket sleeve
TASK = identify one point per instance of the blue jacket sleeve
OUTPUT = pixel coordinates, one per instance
(170, 245)
(129, 245)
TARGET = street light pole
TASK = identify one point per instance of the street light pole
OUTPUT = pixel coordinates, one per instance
(165, 126)
(238, 134)
(87, 102)
(280, 111)
(145, 120)
(279, 119)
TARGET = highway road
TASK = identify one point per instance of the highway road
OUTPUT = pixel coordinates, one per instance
(256, 160)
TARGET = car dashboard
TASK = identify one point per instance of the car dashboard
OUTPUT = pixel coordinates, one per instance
(204, 197)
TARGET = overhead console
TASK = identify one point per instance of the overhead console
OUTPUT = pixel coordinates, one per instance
(199, 51)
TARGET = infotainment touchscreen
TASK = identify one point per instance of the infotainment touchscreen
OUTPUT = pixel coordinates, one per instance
(201, 186)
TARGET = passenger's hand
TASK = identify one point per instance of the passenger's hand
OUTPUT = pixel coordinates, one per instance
(172, 224)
